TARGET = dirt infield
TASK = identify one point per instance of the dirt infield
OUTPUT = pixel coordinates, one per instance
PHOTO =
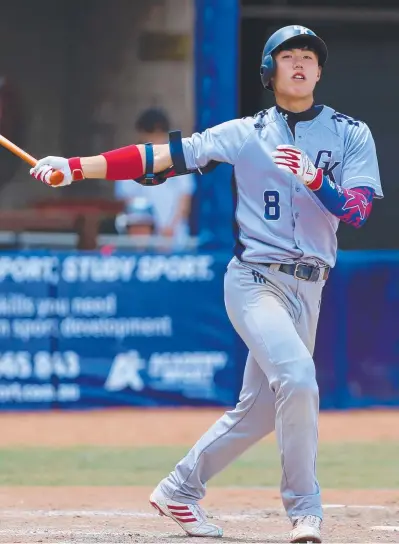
(136, 427)
(122, 514)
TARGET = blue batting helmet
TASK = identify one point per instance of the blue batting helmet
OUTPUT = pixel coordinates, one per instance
(282, 37)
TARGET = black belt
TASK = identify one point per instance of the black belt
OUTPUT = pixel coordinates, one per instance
(305, 272)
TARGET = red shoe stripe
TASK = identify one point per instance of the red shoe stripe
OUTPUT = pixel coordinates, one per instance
(154, 505)
(186, 520)
(182, 514)
(185, 507)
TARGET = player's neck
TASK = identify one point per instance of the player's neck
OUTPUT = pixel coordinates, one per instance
(296, 105)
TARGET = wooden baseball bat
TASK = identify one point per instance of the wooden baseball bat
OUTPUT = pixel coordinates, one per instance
(56, 177)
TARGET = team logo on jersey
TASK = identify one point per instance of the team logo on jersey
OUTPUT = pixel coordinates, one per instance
(323, 161)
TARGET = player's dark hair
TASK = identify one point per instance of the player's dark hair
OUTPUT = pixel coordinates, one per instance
(297, 43)
(153, 120)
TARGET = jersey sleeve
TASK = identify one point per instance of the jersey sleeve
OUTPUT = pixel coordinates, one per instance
(360, 163)
(221, 143)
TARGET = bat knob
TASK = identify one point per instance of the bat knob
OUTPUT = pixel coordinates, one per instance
(56, 178)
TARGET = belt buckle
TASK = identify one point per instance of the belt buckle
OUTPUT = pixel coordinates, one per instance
(296, 273)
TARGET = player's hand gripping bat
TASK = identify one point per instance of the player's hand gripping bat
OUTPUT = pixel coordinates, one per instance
(56, 178)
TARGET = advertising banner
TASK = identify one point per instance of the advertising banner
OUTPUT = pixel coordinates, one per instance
(86, 330)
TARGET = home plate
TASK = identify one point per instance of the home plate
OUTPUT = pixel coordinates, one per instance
(390, 528)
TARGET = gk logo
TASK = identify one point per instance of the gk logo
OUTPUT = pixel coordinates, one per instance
(327, 166)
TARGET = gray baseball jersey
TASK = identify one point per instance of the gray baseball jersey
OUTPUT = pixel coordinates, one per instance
(278, 218)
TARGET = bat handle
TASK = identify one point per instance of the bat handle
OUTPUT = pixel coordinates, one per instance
(56, 178)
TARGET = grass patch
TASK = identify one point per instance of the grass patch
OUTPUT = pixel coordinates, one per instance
(351, 465)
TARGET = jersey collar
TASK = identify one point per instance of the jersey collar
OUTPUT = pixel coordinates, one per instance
(307, 115)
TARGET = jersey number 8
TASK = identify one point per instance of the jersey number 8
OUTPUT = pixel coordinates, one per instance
(272, 206)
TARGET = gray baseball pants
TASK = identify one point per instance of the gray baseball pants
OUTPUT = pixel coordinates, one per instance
(276, 315)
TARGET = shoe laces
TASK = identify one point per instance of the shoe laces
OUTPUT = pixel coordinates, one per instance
(313, 521)
(199, 512)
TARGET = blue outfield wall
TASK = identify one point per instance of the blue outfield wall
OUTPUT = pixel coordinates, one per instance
(357, 350)
(83, 330)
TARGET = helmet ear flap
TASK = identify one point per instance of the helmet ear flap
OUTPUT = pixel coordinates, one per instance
(267, 70)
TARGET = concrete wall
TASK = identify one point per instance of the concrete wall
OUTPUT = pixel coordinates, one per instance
(77, 65)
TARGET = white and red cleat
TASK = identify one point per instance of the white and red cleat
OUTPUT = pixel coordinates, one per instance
(190, 517)
(306, 529)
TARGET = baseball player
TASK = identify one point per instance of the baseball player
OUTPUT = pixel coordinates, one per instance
(299, 169)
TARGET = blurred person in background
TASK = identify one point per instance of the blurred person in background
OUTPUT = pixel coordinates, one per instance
(171, 201)
(137, 220)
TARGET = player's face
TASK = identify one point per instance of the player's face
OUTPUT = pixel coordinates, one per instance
(297, 73)
(140, 230)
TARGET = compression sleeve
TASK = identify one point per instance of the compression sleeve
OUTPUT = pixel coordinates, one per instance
(352, 206)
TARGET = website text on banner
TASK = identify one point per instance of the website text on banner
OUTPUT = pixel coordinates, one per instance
(82, 330)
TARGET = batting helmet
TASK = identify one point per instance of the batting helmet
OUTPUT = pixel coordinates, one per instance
(139, 211)
(284, 36)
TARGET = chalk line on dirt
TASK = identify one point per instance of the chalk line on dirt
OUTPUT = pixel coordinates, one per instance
(390, 528)
(16, 513)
